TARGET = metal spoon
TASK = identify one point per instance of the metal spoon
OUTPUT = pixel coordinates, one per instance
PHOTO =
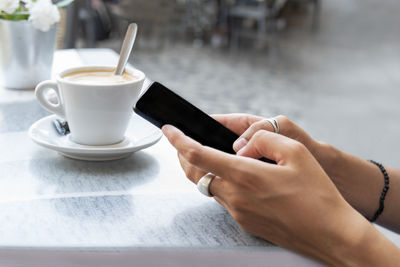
(126, 48)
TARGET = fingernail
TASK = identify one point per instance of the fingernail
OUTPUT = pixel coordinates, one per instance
(165, 129)
(241, 151)
(239, 144)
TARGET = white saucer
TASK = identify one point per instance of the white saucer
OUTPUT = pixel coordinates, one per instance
(139, 135)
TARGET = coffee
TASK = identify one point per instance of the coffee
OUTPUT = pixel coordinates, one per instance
(98, 77)
(96, 104)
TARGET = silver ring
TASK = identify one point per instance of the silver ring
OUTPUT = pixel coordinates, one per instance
(204, 184)
(274, 124)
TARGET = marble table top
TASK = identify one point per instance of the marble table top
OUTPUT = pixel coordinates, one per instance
(143, 201)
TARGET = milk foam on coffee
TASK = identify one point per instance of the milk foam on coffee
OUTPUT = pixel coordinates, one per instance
(98, 77)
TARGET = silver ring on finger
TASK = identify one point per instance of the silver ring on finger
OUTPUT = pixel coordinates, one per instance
(274, 123)
(204, 184)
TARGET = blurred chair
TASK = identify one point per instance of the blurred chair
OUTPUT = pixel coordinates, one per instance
(71, 25)
(88, 20)
(155, 18)
(263, 12)
(199, 19)
(316, 6)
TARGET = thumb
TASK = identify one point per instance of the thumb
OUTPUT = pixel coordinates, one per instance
(273, 146)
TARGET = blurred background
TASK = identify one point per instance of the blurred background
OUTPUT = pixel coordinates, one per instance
(333, 67)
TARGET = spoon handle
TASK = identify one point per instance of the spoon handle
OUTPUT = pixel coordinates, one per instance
(126, 48)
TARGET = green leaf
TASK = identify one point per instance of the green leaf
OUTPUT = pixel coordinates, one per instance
(64, 3)
(19, 14)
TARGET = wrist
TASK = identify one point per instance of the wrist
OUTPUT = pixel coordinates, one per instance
(370, 249)
(329, 158)
(356, 179)
(356, 242)
(351, 233)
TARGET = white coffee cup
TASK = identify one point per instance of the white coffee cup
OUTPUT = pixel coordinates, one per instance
(97, 114)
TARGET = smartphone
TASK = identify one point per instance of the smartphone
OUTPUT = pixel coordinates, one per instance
(160, 105)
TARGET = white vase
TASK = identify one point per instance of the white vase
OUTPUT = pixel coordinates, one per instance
(26, 54)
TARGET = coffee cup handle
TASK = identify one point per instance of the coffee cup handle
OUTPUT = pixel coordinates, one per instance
(40, 93)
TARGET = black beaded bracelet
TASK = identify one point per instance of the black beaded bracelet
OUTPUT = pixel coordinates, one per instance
(384, 191)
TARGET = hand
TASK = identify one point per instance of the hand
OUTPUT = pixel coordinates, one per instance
(247, 125)
(293, 204)
(359, 181)
(287, 128)
(238, 123)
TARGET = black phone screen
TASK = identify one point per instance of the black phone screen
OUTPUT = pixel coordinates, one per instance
(161, 106)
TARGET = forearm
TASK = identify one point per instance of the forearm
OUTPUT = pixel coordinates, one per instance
(361, 183)
(370, 249)
(355, 242)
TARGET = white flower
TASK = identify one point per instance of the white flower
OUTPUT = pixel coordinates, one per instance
(43, 14)
(9, 6)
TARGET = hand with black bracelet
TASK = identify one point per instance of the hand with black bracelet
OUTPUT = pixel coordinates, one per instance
(294, 203)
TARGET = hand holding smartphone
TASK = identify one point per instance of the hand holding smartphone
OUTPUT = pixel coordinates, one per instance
(161, 106)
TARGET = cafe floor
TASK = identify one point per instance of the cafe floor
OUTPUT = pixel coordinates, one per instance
(340, 83)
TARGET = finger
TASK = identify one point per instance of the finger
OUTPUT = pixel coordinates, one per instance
(238, 123)
(192, 173)
(263, 124)
(287, 128)
(217, 187)
(203, 157)
(220, 189)
(223, 204)
(273, 146)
